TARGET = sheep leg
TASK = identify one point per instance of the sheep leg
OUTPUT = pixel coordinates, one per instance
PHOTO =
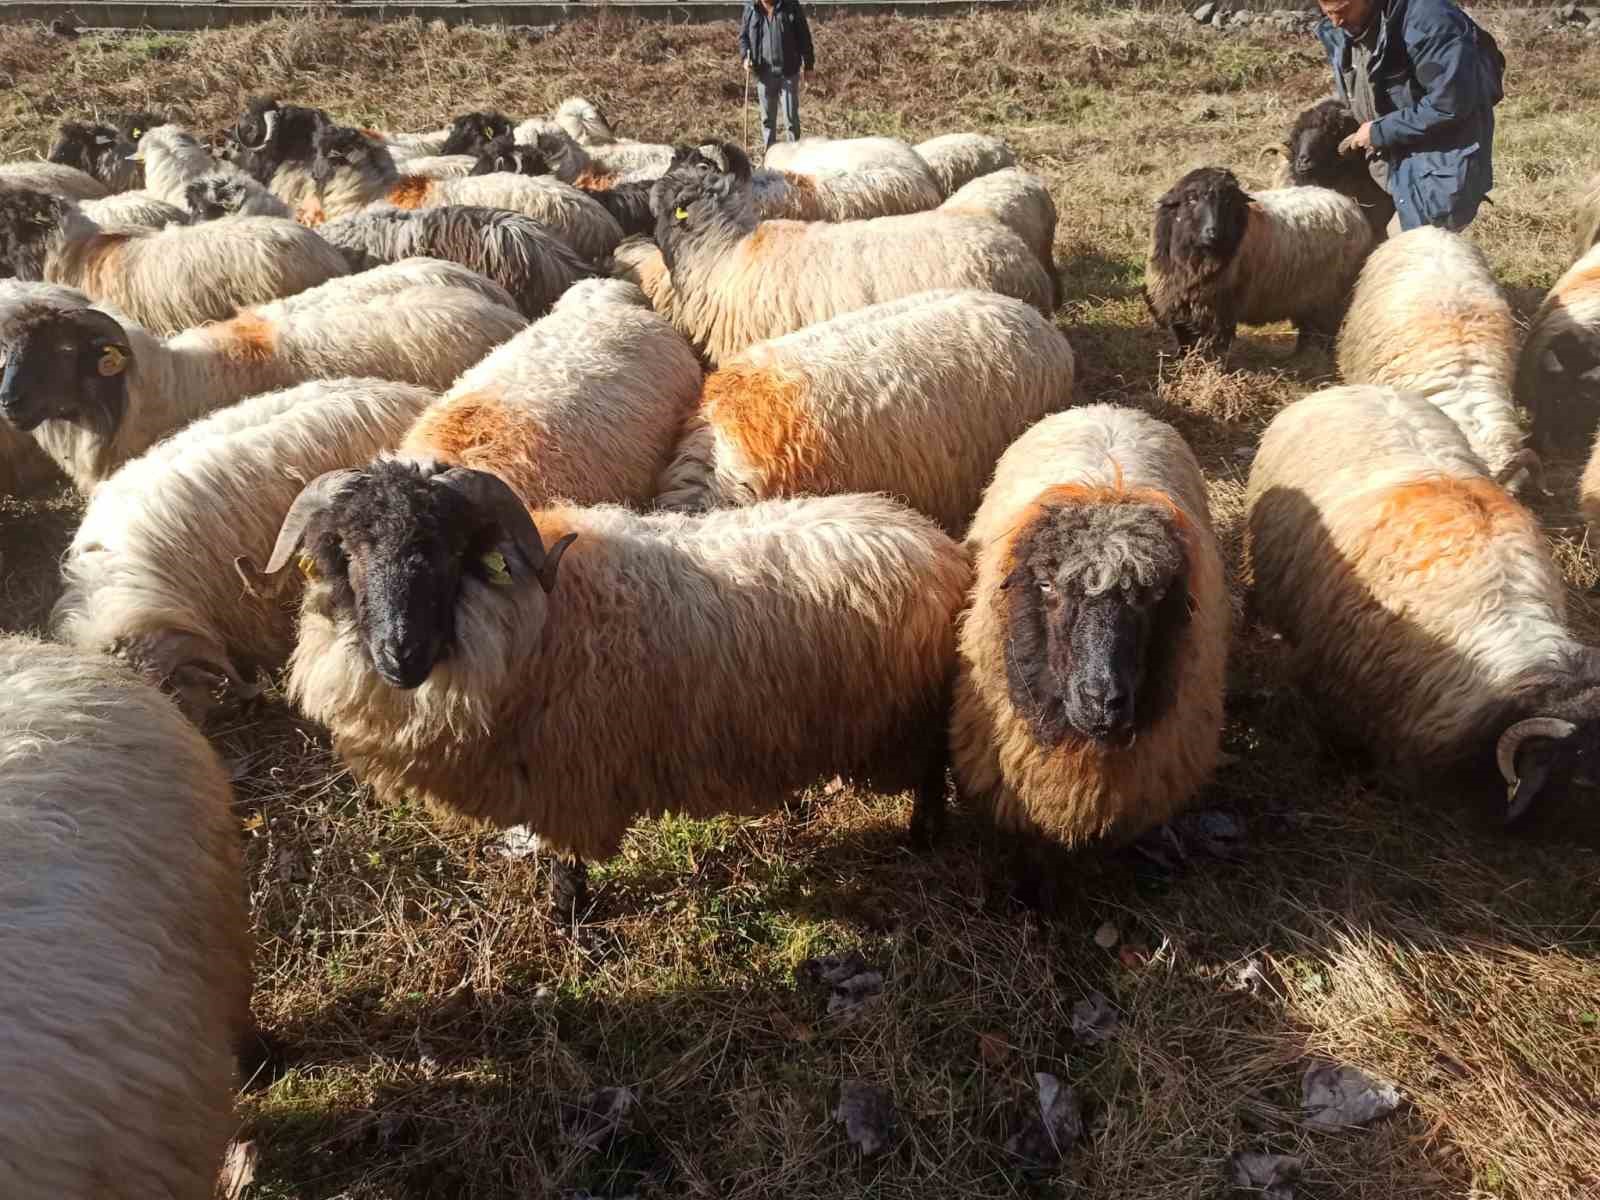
(1033, 879)
(569, 886)
(928, 807)
(1315, 332)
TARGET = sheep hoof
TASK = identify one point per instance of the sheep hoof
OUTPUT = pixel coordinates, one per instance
(928, 812)
(569, 888)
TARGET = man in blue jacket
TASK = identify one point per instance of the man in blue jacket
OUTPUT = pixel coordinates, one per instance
(1423, 80)
(775, 42)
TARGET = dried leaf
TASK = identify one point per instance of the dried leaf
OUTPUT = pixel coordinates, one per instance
(1341, 1097)
(1093, 1018)
(593, 1122)
(1133, 956)
(788, 1028)
(993, 1048)
(1270, 1176)
(868, 1115)
(852, 982)
(1107, 936)
(238, 1170)
(1045, 1139)
(254, 822)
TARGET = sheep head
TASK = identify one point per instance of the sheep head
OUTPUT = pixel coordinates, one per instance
(86, 147)
(472, 133)
(269, 134)
(1094, 604)
(1314, 139)
(502, 155)
(338, 148)
(214, 195)
(393, 545)
(1550, 748)
(1201, 220)
(62, 364)
(31, 225)
(693, 200)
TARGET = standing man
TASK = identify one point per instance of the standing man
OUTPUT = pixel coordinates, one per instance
(775, 42)
(1423, 80)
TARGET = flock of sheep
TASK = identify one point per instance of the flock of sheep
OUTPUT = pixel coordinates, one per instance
(424, 419)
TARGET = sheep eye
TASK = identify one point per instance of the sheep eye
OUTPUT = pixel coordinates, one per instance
(1046, 588)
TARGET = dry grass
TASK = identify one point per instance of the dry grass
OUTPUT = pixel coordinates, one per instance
(438, 1021)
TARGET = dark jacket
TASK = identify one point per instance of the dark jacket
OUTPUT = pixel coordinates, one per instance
(1436, 79)
(796, 33)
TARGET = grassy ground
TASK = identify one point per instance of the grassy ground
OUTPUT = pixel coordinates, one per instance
(440, 1022)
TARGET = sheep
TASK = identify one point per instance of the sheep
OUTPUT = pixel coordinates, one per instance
(1019, 201)
(584, 121)
(1587, 223)
(149, 575)
(1312, 159)
(473, 132)
(173, 159)
(917, 397)
(95, 391)
(1221, 257)
(629, 203)
(1419, 600)
(639, 261)
(353, 174)
(1428, 317)
(166, 280)
(125, 982)
(815, 155)
(275, 147)
(102, 150)
(53, 179)
(1089, 688)
(873, 190)
(956, 159)
(440, 166)
(737, 280)
(1557, 376)
(583, 406)
(791, 640)
(133, 208)
(606, 162)
(515, 251)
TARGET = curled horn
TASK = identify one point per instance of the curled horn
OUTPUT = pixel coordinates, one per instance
(1505, 754)
(1522, 460)
(269, 119)
(313, 498)
(492, 494)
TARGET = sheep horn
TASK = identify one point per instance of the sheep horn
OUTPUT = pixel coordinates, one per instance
(313, 498)
(1522, 460)
(1505, 753)
(494, 495)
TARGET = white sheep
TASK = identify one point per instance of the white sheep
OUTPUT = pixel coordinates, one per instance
(174, 159)
(1089, 698)
(169, 279)
(1428, 317)
(728, 658)
(917, 397)
(1419, 601)
(54, 179)
(1019, 201)
(1221, 258)
(956, 159)
(133, 208)
(96, 391)
(737, 280)
(1557, 377)
(582, 406)
(125, 982)
(149, 575)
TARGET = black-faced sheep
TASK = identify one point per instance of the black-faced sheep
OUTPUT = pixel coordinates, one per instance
(883, 189)
(1428, 317)
(956, 159)
(629, 203)
(353, 173)
(149, 576)
(737, 280)
(474, 132)
(515, 251)
(916, 398)
(1419, 601)
(103, 150)
(125, 982)
(1558, 375)
(796, 639)
(166, 280)
(1089, 694)
(95, 391)
(1313, 160)
(275, 146)
(1222, 258)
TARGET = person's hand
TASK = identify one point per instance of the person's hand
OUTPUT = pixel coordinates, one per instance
(1361, 139)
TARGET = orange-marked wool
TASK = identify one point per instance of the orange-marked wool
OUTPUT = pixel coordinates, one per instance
(248, 338)
(764, 412)
(413, 191)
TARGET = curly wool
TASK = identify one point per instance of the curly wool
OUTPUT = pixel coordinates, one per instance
(1556, 379)
(1417, 596)
(1131, 491)
(717, 652)
(917, 398)
(174, 158)
(956, 159)
(117, 839)
(1428, 317)
(582, 406)
(53, 179)
(1019, 201)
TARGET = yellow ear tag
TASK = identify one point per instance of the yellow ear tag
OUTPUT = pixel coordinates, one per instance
(308, 566)
(682, 214)
(488, 133)
(496, 562)
(112, 361)
(137, 134)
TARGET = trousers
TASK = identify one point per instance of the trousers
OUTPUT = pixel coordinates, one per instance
(775, 88)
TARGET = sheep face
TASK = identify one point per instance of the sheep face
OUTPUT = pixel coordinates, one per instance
(692, 201)
(338, 149)
(503, 156)
(64, 365)
(87, 147)
(1566, 402)
(392, 546)
(28, 221)
(1551, 763)
(1202, 219)
(473, 132)
(1314, 157)
(213, 196)
(269, 134)
(1093, 602)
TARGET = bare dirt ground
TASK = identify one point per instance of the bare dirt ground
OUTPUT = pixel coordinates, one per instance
(440, 1025)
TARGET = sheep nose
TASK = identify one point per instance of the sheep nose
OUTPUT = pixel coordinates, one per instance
(401, 665)
(1108, 705)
